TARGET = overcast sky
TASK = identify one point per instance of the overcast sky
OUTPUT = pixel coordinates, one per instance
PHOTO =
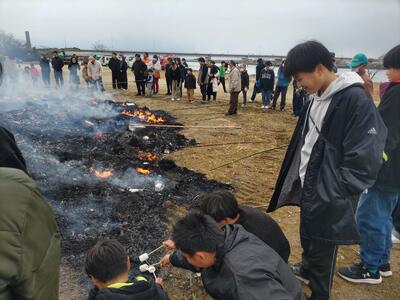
(214, 26)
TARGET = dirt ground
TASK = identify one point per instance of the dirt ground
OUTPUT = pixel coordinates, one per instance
(253, 178)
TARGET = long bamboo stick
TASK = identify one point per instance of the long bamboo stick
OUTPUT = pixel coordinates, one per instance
(182, 126)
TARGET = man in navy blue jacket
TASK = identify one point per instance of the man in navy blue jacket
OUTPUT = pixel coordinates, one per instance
(335, 154)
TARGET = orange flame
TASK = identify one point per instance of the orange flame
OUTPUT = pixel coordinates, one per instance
(145, 116)
(104, 174)
(143, 155)
(143, 170)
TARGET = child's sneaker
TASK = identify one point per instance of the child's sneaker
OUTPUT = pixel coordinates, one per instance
(178, 99)
(359, 274)
(385, 270)
(173, 99)
(266, 107)
(262, 106)
(243, 105)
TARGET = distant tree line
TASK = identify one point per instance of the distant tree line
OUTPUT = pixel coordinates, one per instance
(16, 49)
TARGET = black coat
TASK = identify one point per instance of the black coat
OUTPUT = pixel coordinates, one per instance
(176, 75)
(245, 268)
(114, 64)
(345, 161)
(259, 67)
(139, 69)
(389, 108)
(45, 65)
(245, 79)
(190, 81)
(139, 290)
(57, 63)
(123, 77)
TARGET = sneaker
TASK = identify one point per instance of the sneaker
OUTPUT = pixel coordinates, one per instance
(177, 99)
(358, 274)
(385, 270)
(299, 273)
(267, 107)
(243, 105)
(395, 237)
(173, 99)
(262, 106)
(282, 109)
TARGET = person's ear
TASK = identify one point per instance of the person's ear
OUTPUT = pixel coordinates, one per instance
(128, 263)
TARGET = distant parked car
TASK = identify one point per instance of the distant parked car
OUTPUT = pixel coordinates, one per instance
(104, 60)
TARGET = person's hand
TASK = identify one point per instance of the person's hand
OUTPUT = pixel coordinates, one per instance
(159, 281)
(165, 262)
(245, 89)
(169, 245)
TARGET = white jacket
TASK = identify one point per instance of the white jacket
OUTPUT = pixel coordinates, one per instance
(235, 80)
(95, 70)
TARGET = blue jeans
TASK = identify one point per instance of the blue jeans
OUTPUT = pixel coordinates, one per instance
(266, 97)
(374, 220)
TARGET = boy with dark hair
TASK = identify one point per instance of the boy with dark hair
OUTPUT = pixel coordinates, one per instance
(224, 209)
(108, 265)
(245, 83)
(190, 84)
(202, 78)
(378, 203)
(267, 81)
(335, 154)
(234, 264)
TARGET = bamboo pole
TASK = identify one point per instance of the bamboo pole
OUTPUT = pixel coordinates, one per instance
(182, 126)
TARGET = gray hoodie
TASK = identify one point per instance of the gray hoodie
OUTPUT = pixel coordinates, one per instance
(245, 269)
(316, 115)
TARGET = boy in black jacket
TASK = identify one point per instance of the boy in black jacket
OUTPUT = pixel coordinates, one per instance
(108, 265)
(335, 154)
(234, 264)
(377, 204)
(267, 80)
(224, 209)
(245, 83)
(190, 84)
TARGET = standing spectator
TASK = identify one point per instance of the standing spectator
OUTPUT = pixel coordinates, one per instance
(299, 98)
(182, 70)
(139, 69)
(378, 203)
(149, 83)
(267, 80)
(10, 70)
(256, 89)
(184, 63)
(359, 65)
(222, 70)
(333, 156)
(45, 69)
(176, 77)
(95, 73)
(202, 78)
(235, 86)
(115, 66)
(156, 67)
(34, 72)
(85, 73)
(245, 83)
(30, 241)
(74, 68)
(57, 64)
(190, 84)
(281, 87)
(123, 76)
(146, 59)
(212, 87)
(168, 72)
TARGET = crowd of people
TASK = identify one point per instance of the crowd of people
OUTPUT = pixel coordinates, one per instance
(342, 169)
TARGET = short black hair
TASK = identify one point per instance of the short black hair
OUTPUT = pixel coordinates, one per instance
(305, 57)
(197, 232)
(219, 205)
(115, 53)
(189, 69)
(106, 260)
(392, 58)
(268, 63)
(232, 62)
(201, 59)
(137, 55)
(222, 61)
(260, 60)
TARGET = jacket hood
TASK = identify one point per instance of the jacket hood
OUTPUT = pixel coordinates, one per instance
(342, 81)
(10, 155)
(234, 235)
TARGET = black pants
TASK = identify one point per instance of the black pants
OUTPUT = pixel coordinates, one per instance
(210, 92)
(244, 92)
(280, 90)
(222, 81)
(233, 103)
(256, 90)
(318, 264)
(140, 85)
(203, 89)
(46, 77)
(169, 85)
(114, 78)
(58, 76)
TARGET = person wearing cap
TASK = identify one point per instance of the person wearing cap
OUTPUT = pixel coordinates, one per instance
(115, 65)
(95, 73)
(202, 79)
(235, 87)
(57, 63)
(359, 65)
